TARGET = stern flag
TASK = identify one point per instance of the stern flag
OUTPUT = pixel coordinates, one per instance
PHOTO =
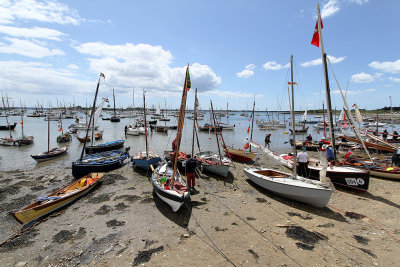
(315, 38)
(289, 83)
(102, 75)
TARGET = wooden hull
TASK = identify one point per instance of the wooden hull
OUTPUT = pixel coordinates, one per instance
(104, 147)
(7, 141)
(370, 145)
(64, 138)
(211, 163)
(377, 170)
(24, 141)
(174, 198)
(100, 162)
(97, 136)
(284, 184)
(40, 209)
(54, 153)
(240, 155)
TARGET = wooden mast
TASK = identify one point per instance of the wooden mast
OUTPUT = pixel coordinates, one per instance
(194, 120)
(216, 133)
(252, 123)
(145, 125)
(114, 104)
(181, 120)
(48, 133)
(8, 124)
(327, 90)
(292, 118)
(91, 115)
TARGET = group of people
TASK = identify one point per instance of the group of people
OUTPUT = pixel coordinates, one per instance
(395, 135)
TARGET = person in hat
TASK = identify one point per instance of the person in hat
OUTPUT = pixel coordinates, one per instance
(309, 139)
(191, 165)
(302, 159)
(384, 135)
(267, 140)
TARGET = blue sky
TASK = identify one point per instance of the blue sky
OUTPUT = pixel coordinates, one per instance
(237, 50)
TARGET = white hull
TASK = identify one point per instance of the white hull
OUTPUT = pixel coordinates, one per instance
(173, 204)
(131, 131)
(299, 188)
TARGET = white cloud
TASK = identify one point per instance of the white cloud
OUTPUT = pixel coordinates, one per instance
(394, 79)
(144, 66)
(43, 11)
(350, 92)
(27, 48)
(360, 2)
(230, 94)
(318, 61)
(330, 8)
(35, 32)
(387, 66)
(72, 67)
(362, 78)
(41, 78)
(247, 72)
(272, 65)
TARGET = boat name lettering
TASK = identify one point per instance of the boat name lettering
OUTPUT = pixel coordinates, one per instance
(354, 181)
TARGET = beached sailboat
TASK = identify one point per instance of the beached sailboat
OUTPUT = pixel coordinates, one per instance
(168, 183)
(7, 141)
(114, 117)
(58, 199)
(98, 162)
(291, 186)
(143, 160)
(63, 137)
(50, 153)
(240, 154)
(24, 140)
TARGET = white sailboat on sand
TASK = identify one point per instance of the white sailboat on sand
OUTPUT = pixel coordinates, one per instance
(291, 186)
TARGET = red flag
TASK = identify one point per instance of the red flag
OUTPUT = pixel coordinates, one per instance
(248, 129)
(289, 83)
(315, 38)
(60, 129)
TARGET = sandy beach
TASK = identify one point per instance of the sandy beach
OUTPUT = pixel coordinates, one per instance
(229, 222)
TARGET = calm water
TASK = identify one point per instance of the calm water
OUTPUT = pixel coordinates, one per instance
(19, 157)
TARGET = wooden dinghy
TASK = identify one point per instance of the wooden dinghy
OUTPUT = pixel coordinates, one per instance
(292, 187)
(376, 169)
(97, 136)
(239, 154)
(211, 162)
(51, 154)
(174, 195)
(58, 199)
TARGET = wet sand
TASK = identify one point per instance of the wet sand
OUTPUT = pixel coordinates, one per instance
(230, 221)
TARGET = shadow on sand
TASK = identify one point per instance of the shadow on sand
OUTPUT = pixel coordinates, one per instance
(180, 218)
(322, 212)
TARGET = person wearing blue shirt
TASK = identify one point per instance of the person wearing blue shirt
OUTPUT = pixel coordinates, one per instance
(329, 154)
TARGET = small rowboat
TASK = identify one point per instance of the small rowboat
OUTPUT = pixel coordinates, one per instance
(211, 162)
(52, 154)
(239, 154)
(6, 128)
(58, 199)
(97, 136)
(174, 196)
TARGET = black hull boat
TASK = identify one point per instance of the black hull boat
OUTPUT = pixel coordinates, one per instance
(105, 147)
(5, 127)
(99, 162)
(49, 155)
(25, 140)
(115, 119)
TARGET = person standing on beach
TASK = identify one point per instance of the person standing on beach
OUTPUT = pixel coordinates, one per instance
(191, 165)
(267, 140)
(384, 135)
(302, 159)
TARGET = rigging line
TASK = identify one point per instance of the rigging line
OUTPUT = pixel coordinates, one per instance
(215, 247)
(283, 215)
(260, 233)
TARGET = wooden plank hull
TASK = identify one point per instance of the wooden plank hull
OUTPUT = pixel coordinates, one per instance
(240, 155)
(40, 209)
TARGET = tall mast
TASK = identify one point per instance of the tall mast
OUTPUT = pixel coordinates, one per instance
(133, 101)
(194, 119)
(22, 118)
(391, 110)
(181, 120)
(216, 133)
(48, 134)
(91, 115)
(327, 90)
(145, 125)
(114, 103)
(252, 122)
(292, 118)
(8, 124)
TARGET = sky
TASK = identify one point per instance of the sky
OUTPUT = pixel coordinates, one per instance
(238, 51)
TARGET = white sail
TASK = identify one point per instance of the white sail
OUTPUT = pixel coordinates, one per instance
(358, 114)
(98, 111)
(305, 116)
(342, 115)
